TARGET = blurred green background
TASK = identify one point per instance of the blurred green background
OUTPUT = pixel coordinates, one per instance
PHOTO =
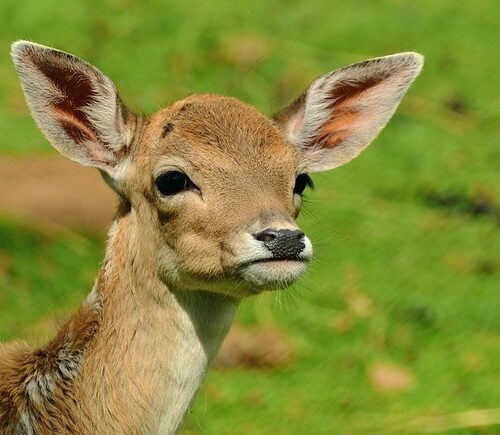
(397, 326)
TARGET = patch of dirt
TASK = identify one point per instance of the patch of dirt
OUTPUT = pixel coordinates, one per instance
(54, 194)
(254, 349)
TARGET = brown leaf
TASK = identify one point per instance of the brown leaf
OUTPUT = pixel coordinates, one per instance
(360, 305)
(342, 323)
(254, 348)
(390, 378)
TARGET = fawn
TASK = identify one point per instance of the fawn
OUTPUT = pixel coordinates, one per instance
(209, 190)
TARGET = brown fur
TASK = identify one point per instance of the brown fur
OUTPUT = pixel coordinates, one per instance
(228, 131)
(38, 386)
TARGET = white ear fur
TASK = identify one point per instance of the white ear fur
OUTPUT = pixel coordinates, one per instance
(343, 111)
(74, 104)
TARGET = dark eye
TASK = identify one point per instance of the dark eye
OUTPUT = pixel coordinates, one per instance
(172, 182)
(302, 181)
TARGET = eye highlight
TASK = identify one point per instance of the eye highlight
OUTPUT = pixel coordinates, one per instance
(302, 181)
(173, 182)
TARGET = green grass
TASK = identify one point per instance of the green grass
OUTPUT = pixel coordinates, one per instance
(400, 226)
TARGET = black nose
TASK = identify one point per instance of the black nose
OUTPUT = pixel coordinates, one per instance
(284, 244)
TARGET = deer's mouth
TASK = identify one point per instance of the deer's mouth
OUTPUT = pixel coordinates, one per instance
(273, 273)
(274, 260)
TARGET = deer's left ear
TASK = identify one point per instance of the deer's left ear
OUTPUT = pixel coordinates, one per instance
(343, 111)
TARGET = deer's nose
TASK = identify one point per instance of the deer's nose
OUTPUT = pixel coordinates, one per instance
(284, 244)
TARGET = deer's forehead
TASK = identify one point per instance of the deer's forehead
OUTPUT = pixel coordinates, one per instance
(221, 131)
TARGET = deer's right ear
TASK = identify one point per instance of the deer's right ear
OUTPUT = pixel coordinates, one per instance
(74, 105)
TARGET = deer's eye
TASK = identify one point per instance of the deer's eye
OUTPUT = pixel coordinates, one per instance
(173, 182)
(302, 181)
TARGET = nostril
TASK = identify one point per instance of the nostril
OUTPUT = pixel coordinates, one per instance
(299, 235)
(266, 235)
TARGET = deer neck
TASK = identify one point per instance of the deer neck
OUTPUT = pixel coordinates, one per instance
(154, 343)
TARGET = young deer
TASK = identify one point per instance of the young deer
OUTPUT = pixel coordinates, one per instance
(209, 191)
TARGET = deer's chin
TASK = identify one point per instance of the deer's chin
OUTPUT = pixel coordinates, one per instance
(273, 274)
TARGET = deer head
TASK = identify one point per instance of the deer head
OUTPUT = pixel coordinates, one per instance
(209, 183)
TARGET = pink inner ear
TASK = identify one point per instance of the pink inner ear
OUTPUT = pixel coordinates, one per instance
(74, 128)
(338, 128)
(77, 92)
(348, 111)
